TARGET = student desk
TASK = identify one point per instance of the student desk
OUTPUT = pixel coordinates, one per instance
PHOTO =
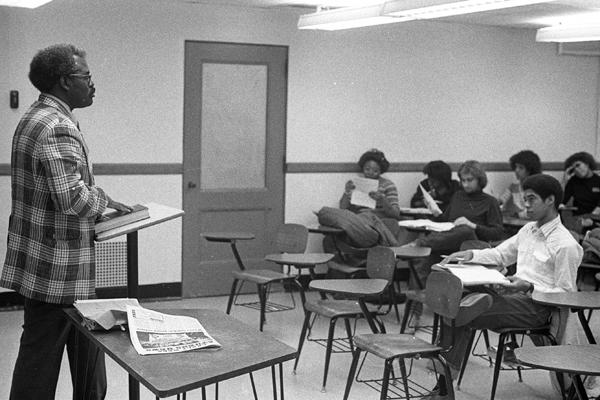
(578, 301)
(244, 350)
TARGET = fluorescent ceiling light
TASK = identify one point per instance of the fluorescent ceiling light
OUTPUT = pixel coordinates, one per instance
(24, 3)
(569, 33)
(427, 9)
(345, 18)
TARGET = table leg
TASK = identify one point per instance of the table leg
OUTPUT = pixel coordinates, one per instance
(132, 292)
(586, 327)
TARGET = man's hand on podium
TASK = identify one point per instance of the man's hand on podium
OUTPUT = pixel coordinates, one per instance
(118, 206)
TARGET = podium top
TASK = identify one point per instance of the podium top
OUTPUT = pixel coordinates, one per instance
(158, 214)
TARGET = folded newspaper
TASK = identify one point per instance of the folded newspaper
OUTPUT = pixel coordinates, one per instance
(152, 332)
(98, 314)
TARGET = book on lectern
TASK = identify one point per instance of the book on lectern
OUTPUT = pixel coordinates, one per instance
(116, 219)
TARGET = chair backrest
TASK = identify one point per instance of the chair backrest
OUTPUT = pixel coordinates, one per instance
(443, 292)
(473, 244)
(381, 263)
(291, 238)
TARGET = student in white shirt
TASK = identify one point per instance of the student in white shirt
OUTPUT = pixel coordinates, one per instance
(547, 258)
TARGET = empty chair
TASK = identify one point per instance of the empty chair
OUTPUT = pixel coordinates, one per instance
(443, 293)
(381, 264)
(290, 238)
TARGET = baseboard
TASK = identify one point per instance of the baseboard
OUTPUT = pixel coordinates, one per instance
(13, 300)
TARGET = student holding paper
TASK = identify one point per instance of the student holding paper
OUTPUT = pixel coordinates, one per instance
(373, 164)
(439, 185)
(547, 258)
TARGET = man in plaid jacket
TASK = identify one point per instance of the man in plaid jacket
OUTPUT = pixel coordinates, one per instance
(50, 253)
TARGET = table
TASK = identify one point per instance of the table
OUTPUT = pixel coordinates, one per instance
(410, 254)
(244, 350)
(232, 238)
(300, 260)
(575, 360)
(578, 301)
(360, 288)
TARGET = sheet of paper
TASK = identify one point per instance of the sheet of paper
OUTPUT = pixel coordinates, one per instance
(430, 202)
(360, 194)
(415, 211)
(427, 224)
(477, 275)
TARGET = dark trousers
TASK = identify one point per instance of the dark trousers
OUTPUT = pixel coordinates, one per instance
(46, 331)
(515, 310)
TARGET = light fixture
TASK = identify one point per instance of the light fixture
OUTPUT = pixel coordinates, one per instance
(569, 33)
(23, 3)
(428, 9)
(345, 18)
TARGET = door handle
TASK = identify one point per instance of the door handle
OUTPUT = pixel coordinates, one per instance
(191, 185)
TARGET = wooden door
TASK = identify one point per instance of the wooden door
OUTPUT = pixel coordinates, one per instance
(234, 156)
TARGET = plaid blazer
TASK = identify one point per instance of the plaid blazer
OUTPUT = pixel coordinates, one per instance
(50, 253)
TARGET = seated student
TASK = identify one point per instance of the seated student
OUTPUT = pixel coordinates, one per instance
(523, 164)
(439, 184)
(547, 258)
(373, 165)
(475, 214)
(583, 187)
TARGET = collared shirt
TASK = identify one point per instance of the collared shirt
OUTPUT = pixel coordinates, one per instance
(547, 256)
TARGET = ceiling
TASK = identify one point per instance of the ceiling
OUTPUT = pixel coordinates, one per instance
(532, 16)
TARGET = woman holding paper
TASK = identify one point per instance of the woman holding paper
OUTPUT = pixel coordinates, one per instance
(372, 191)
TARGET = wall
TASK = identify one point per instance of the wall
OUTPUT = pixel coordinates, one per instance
(418, 91)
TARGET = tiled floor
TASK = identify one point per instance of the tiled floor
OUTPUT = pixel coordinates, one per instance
(306, 383)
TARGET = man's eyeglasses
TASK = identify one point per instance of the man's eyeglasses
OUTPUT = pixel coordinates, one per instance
(87, 77)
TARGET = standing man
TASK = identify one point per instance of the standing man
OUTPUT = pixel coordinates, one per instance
(50, 255)
(547, 258)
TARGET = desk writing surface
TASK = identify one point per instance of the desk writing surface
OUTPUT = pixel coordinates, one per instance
(243, 350)
(586, 300)
(299, 259)
(359, 287)
(158, 213)
(227, 236)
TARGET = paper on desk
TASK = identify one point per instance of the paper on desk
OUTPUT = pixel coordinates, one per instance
(104, 313)
(426, 224)
(477, 275)
(430, 202)
(152, 332)
(360, 194)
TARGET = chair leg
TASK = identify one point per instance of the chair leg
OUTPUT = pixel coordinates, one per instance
(262, 295)
(386, 379)
(404, 377)
(332, 323)
(352, 372)
(231, 295)
(407, 311)
(349, 333)
(302, 337)
(465, 359)
(498, 364)
(448, 377)
(513, 337)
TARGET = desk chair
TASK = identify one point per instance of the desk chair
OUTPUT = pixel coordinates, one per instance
(381, 264)
(443, 296)
(290, 238)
